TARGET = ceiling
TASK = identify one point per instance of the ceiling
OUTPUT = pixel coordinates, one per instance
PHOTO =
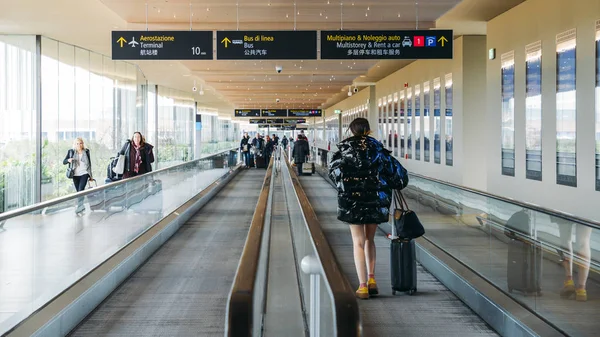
(229, 84)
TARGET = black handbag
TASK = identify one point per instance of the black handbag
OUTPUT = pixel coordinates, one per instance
(70, 170)
(406, 222)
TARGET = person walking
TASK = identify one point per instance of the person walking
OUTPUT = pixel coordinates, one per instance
(365, 175)
(80, 163)
(300, 152)
(245, 146)
(138, 156)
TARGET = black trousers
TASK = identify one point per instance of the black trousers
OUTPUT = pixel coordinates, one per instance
(80, 182)
(299, 165)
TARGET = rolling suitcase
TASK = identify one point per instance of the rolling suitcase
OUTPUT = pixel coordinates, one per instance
(524, 267)
(261, 162)
(403, 266)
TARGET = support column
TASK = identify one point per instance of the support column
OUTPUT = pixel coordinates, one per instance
(373, 112)
(197, 132)
(37, 182)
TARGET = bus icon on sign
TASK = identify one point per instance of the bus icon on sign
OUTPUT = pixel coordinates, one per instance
(430, 41)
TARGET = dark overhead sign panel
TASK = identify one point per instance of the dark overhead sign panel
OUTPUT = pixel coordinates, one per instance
(257, 121)
(305, 113)
(267, 45)
(162, 45)
(247, 113)
(274, 113)
(374, 44)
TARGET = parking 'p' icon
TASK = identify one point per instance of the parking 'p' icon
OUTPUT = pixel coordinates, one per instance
(430, 41)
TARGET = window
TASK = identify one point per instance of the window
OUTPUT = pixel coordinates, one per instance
(395, 121)
(436, 120)
(533, 111)
(449, 138)
(380, 119)
(409, 122)
(598, 105)
(508, 113)
(426, 126)
(418, 122)
(403, 131)
(566, 110)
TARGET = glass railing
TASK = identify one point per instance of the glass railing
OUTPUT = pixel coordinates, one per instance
(46, 248)
(529, 252)
(329, 302)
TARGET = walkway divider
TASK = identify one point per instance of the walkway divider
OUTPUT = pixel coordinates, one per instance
(246, 302)
(345, 315)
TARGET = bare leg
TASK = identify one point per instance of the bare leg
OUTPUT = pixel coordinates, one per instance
(358, 240)
(583, 235)
(566, 244)
(370, 231)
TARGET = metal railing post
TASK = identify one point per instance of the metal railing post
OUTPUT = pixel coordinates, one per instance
(311, 266)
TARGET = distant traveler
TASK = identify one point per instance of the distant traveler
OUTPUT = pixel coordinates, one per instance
(300, 152)
(284, 142)
(80, 167)
(365, 174)
(245, 146)
(275, 139)
(269, 147)
(138, 156)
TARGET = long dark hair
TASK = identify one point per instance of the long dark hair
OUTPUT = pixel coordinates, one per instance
(142, 139)
(360, 127)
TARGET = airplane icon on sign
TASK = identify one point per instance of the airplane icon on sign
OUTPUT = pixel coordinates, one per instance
(133, 42)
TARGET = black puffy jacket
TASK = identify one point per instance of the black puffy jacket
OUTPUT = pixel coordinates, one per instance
(365, 174)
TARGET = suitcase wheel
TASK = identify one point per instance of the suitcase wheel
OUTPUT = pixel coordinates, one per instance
(411, 292)
(394, 292)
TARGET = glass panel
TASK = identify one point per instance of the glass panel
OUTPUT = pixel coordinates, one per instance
(597, 106)
(410, 122)
(418, 122)
(437, 154)
(18, 127)
(566, 109)
(448, 121)
(379, 119)
(426, 123)
(44, 252)
(508, 114)
(526, 253)
(533, 111)
(395, 123)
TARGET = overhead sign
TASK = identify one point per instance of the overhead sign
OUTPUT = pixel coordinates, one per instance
(257, 121)
(247, 113)
(267, 45)
(305, 113)
(274, 113)
(162, 45)
(398, 44)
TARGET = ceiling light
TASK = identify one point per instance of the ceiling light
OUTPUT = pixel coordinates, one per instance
(287, 16)
(207, 9)
(368, 8)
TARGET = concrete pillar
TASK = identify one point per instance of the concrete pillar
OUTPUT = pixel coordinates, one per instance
(373, 112)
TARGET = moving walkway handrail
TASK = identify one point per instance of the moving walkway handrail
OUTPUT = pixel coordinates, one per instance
(347, 314)
(534, 207)
(39, 206)
(240, 307)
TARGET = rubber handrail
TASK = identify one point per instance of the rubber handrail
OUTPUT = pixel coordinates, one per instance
(537, 208)
(346, 307)
(39, 206)
(240, 307)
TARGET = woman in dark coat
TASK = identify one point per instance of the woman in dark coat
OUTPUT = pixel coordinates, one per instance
(138, 156)
(365, 175)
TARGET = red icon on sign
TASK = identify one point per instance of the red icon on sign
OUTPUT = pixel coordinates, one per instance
(419, 41)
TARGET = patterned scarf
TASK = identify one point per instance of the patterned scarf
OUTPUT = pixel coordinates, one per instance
(138, 159)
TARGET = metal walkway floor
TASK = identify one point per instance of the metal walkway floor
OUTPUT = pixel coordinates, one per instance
(182, 289)
(432, 311)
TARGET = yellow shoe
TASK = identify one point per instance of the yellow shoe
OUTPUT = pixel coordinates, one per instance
(363, 293)
(568, 289)
(581, 295)
(372, 285)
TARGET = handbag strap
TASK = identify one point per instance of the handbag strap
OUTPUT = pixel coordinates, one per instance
(399, 199)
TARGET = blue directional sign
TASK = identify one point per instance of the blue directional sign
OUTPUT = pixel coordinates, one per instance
(430, 41)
